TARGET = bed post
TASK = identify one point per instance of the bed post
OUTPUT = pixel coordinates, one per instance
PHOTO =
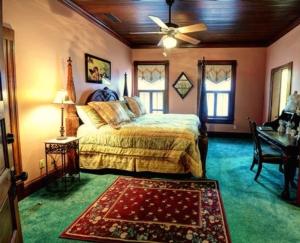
(202, 112)
(125, 92)
(72, 121)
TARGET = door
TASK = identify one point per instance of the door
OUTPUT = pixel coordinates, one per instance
(10, 75)
(10, 230)
(9, 218)
(280, 89)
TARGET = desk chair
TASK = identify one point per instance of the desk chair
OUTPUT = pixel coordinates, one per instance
(263, 154)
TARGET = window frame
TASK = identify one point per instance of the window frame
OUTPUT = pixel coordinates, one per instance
(166, 91)
(231, 109)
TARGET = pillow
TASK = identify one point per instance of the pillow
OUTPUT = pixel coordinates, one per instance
(89, 116)
(136, 105)
(112, 112)
(125, 107)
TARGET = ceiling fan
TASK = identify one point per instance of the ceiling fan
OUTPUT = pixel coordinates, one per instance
(171, 31)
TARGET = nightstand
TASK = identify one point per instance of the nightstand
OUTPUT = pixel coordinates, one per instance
(68, 151)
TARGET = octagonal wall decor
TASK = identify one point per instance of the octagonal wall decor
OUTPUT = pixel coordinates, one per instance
(183, 85)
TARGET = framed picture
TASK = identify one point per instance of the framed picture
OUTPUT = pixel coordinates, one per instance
(97, 70)
(183, 85)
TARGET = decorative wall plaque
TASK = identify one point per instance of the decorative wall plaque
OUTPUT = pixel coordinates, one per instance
(183, 85)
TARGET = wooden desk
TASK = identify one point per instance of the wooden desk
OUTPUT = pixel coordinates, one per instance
(290, 149)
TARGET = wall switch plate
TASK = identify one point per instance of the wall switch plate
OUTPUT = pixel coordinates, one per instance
(42, 163)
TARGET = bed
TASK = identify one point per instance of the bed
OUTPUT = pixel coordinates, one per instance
(166, 143)
(163, 143)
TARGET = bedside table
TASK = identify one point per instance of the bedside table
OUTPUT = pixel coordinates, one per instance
(68, 149)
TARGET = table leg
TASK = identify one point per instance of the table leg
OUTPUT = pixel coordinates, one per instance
(298, 188)
(64, 176)
(286, 191)
(77, 160)
(289, 174)
(46, 164)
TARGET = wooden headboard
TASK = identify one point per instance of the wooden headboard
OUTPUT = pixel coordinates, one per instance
(104, 94)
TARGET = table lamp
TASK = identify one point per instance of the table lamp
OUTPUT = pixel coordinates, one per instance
(62, 98)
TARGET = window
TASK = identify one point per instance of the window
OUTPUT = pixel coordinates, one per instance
(151, 82)
(220, 90)
(280, 89)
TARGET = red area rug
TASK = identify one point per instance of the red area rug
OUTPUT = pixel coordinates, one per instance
(143, 210)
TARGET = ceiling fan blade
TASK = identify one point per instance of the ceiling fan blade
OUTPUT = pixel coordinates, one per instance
(159, 22)
(192, 28)
(161, 40)
(145, 33)
(187, 38)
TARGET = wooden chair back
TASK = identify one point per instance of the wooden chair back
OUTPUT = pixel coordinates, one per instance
(255, 137)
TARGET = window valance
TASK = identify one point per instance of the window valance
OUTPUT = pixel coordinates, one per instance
(218, 73)
(151, 73)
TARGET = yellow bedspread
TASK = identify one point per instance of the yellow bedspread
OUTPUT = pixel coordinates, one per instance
(154, 142)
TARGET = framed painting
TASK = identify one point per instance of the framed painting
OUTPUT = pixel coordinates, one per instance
(183, 85)
(97, 70)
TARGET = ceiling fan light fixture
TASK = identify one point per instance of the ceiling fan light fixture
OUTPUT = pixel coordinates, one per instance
(171, 32)
(169, 42)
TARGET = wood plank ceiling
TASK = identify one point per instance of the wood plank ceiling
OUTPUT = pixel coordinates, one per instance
(230, 23)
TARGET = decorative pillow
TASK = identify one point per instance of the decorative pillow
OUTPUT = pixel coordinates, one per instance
(136, 105)
(125, 107)
(89, 116)
(112, 112)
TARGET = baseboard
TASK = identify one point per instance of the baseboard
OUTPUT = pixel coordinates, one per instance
(229, 134)
(36, 184)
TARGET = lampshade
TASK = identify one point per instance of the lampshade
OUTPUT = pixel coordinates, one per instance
(62, 97)
(169, 42)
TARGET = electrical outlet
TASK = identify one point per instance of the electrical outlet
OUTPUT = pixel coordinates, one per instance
(42, 163)
(234, 127)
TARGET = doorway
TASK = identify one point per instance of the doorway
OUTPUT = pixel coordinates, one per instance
(10, 73)
(281, 79)
(10, 228)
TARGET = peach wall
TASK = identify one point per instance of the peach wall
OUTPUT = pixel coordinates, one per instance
(283, 51)
(249, 86)
(46, 34)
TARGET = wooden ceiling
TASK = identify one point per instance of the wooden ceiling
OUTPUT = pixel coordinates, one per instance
(231, 23)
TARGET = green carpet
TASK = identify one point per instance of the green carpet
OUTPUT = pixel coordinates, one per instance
(254, 212)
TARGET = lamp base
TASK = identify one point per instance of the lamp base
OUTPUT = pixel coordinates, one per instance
(61, 138)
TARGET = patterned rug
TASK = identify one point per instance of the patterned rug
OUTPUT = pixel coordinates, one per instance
(144, 210)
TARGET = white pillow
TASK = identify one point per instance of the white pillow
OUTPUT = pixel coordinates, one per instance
(89, 116)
